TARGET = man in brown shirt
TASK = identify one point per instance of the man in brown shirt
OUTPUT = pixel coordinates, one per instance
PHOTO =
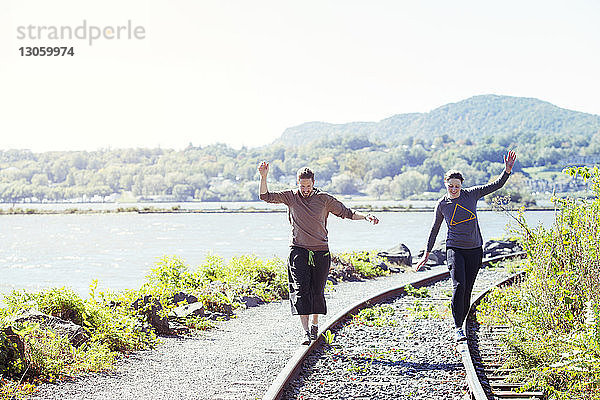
(309, 260)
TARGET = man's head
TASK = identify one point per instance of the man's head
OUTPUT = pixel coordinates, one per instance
(306, 181)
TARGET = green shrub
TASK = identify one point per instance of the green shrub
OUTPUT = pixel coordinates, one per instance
(62, 302)
(365, 263)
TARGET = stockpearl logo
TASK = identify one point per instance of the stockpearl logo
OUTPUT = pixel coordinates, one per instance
(83, 32)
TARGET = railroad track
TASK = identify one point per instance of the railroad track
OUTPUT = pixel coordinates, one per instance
(396, 365)
(484, 359)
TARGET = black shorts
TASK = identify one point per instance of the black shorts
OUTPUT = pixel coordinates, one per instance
(307, 275)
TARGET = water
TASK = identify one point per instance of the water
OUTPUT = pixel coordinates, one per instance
(41, 251)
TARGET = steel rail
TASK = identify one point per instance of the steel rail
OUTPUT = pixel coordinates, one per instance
(475, 386)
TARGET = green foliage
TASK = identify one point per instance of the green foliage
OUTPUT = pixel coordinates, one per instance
(328, 336)
(421, 292)
(433, 311)
(554, 313)
(62, 302)
(381, 315)
(112, 330)
(365, 263)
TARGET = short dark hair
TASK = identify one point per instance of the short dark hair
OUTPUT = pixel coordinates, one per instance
(453, 174)
(305, 173)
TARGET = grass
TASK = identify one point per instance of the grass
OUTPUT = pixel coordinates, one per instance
(381, 315)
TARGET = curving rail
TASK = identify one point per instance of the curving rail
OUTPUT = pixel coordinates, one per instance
(294, 365)
(483, 361)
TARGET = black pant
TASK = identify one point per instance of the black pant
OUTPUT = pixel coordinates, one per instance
(464, 265)
(307, 275)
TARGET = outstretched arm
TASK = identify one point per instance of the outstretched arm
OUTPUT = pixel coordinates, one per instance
(435, 228)
(263, 170)
(369, 217)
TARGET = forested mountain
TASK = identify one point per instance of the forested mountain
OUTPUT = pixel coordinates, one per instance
(477, 117)
(401, 156)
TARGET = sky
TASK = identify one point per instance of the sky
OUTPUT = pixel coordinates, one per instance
(240, 72)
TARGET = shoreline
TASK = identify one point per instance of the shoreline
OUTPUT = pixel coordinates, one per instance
(173, 210)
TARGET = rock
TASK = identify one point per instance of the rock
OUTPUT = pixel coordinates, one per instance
(182, 296)
(178, 328)
(437, 255)
(217, 315)
(383, 266)
(151, 308)
(493, 248)
(12, 351)
(195, 309)
(251, 301)
(399, 254)
(76, 334)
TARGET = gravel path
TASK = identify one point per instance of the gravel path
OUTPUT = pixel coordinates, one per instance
(237, 360)
(409, 356)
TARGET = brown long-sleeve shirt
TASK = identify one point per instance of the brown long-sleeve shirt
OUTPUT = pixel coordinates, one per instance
(308, 216)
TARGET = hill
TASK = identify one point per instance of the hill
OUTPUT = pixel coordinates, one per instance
(473, 118)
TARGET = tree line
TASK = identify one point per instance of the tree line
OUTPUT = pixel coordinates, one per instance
(351, 165)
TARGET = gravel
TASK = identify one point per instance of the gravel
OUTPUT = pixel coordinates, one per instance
(240, 358)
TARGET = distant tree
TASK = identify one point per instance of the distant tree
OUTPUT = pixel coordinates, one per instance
(182, 192)
(379, 187)
(516, 189)
(343, 184)
(408, 183)
(39, 180)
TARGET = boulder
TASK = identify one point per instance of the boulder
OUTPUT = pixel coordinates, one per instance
(493, 248)
(195, 309)
(399, 254)
(182, 296)
(12, 352)
(251, 301)
(437, 255)
(76, 334)
(151, 308)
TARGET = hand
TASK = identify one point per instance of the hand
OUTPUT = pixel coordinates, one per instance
(372, 219)
(422, 261)
(509, 161)
(263, 169)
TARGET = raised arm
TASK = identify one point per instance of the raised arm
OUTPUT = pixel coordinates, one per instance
(509, 162)
(263, 170)
(264, 194)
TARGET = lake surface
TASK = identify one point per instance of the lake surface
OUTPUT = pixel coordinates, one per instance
(39, 251)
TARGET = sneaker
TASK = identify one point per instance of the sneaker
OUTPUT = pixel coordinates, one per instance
(307, 338)
(459, 336)
(314, 332)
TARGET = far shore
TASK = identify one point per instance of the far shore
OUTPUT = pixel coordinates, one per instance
(221, 210)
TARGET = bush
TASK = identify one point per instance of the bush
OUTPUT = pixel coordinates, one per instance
(365, 263)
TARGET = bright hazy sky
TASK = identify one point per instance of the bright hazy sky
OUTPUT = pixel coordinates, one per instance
(241, 71)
